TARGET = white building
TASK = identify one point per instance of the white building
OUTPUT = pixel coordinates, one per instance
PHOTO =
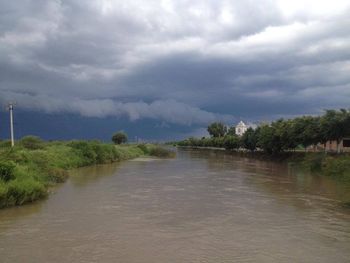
(241, 128)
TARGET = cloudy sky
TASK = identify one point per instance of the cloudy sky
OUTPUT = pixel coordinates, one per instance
(174, 63)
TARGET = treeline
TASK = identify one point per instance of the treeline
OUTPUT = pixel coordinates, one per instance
(281, 135)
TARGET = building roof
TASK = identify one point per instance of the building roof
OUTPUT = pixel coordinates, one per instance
(241, 123)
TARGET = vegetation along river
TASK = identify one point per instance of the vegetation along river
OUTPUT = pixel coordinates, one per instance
(202, 206)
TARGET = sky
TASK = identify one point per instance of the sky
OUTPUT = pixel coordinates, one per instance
(166, 69)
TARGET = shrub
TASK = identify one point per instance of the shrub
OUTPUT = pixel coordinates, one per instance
(39, 158)
(85, 151)
(231, 142)
(62, 156)
(7, 170)
(124, 153)
(314, 162)
(337, 167)
(18, 155)
(31, 142)
(5, 144)
(24, 191)
(218, 142)
(161, 152)
(3, 194)
(104, 152)
(57, 175)
(143, 148)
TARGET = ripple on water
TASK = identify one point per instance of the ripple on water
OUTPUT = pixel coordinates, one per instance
(198, 207)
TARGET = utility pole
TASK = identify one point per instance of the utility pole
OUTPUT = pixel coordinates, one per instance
(10, 108)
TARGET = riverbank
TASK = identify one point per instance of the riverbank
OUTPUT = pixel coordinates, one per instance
(336, 166)
(32, 166)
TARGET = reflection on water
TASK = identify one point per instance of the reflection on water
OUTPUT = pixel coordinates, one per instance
(200, 207)
(90, 174)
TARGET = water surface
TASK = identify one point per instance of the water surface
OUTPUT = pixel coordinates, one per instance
(200, 207)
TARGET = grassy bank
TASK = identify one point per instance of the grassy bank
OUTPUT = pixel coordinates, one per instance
(32, 166)
(336, 166)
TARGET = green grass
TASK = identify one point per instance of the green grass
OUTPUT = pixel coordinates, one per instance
(158, 151)
(32, 166)
(336, 166)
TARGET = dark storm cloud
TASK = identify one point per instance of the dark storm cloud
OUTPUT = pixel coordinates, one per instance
(183, 62)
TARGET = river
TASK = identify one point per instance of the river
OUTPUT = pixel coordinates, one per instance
(202, 206)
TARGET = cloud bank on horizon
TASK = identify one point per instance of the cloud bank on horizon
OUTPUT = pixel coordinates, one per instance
(182, 62)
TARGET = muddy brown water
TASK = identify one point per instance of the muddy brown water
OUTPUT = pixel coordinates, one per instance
(203, 206)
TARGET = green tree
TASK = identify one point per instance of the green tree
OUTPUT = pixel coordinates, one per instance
(269, 139)
(335, 125)
(218, 142)
(120, 137)
(265, 138)
(311, 134)
(231, 131)
(283, 135)
(217, 129)
(249, 139)
(231, 142)
(299, 133)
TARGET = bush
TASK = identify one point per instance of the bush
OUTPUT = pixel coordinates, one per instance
(64, 156)
(337, 167)
(334, 166)
(3, 194)
(231, 142)
(124, 153)
(18, 155)
(24, 191)
(7, 170)
(143, 148)
(31, 142)
(104, 153)
(39, 158)
(85, 151)
(161, 152)
(57, 175)
(5, 144)
(314, 162)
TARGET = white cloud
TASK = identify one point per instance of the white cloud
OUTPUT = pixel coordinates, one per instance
(313, 8)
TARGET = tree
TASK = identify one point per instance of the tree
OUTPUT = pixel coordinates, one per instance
(311, 133)
(249, 139)
(231, 131)
(334, 125)
(265, 138)
(217, 129)
(269, 138)
(119, 137)
(231, 142)
(283, 135)
(305, 131)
